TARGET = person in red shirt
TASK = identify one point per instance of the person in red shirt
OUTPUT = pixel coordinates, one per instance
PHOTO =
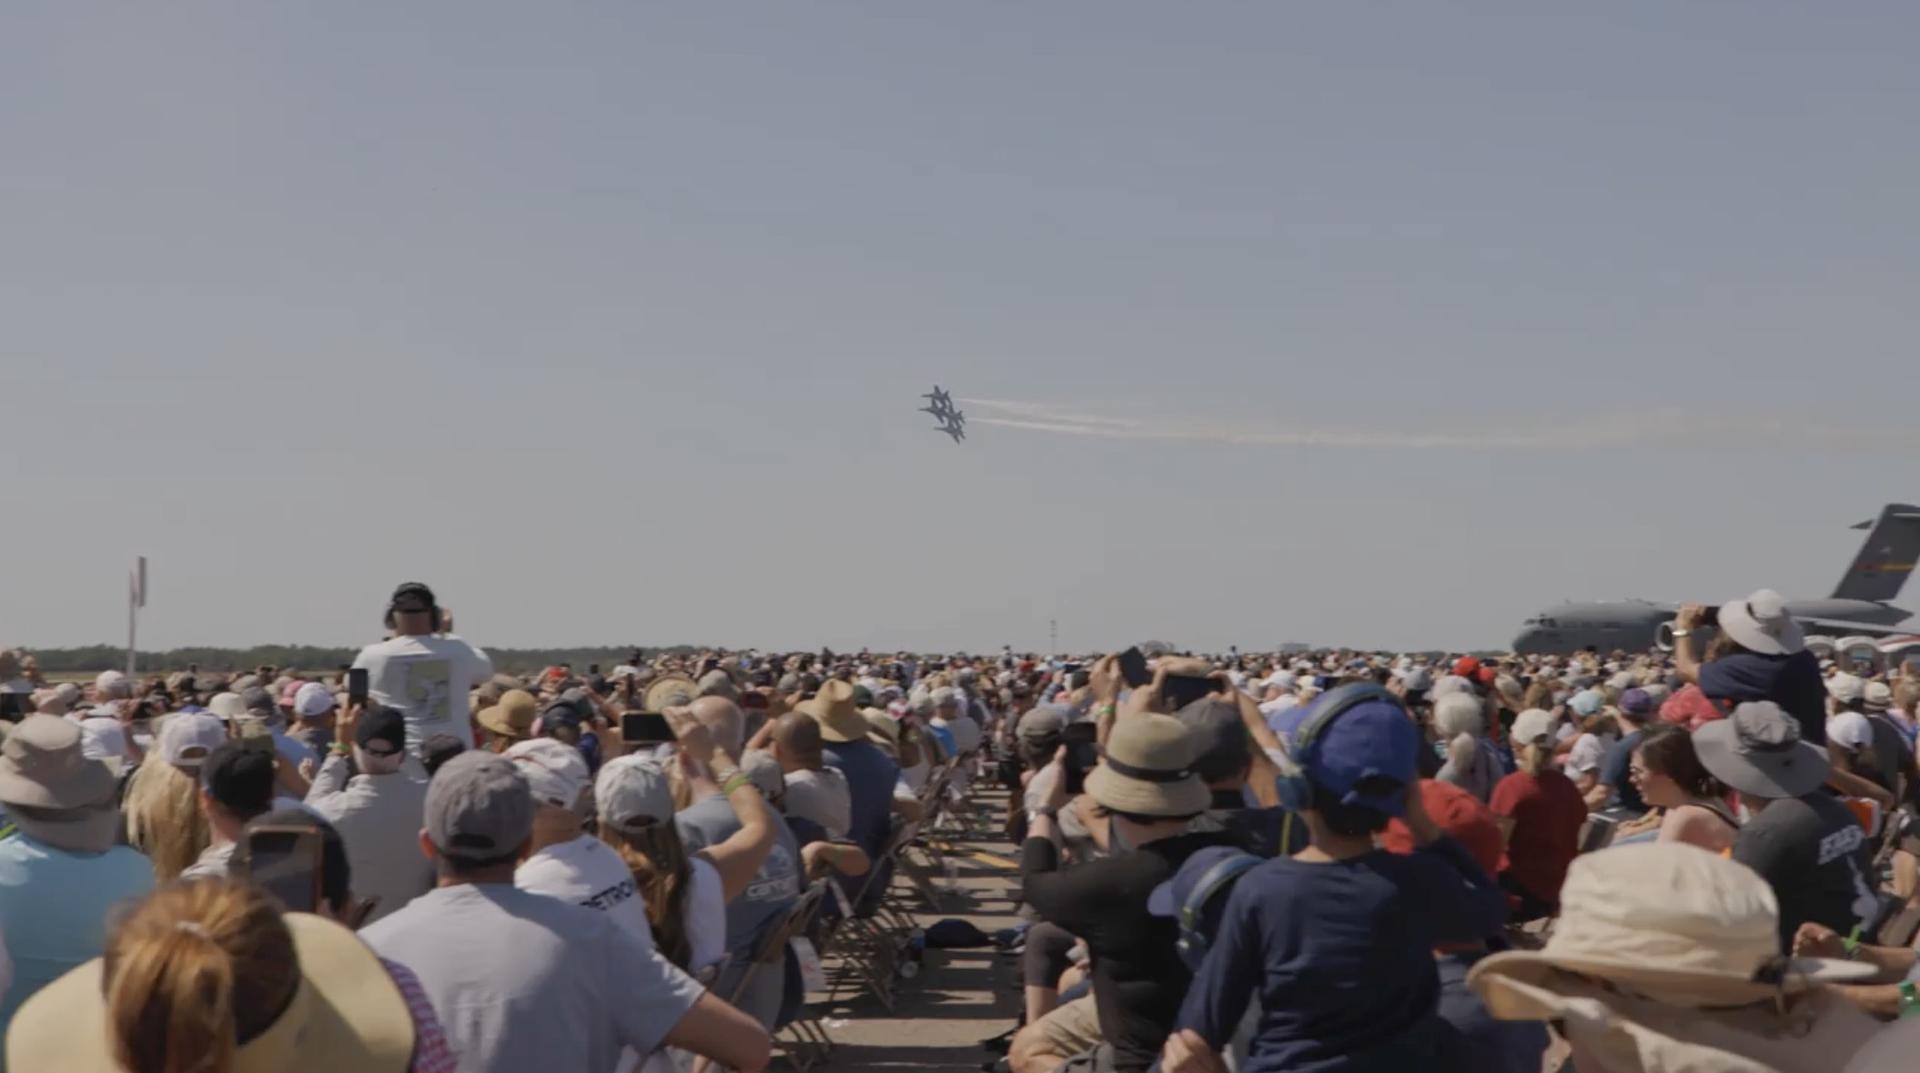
(1541, 811)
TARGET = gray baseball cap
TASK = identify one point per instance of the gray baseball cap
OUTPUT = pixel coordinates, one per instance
(1222, 748)
(1758, 751)
(479, 807)
(257, 701)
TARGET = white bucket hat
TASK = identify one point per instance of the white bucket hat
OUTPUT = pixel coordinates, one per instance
(1760, 623)
(1667, 920)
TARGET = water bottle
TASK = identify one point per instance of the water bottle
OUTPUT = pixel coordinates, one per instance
(914, 954)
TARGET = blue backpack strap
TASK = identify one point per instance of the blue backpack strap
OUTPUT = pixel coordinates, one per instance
(1193, 944)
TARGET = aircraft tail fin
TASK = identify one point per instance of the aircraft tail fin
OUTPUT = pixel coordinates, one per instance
(1887, 557)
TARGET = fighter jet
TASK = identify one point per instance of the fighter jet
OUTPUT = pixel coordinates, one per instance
(1858, 607)
(952, 422)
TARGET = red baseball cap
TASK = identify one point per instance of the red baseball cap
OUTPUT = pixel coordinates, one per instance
(1459, 814)
(1466, 666)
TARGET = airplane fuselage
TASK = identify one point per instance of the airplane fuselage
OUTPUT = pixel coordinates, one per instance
(1631, 625)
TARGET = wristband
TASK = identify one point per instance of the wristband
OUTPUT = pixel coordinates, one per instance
(1105, 708)
(1909, 1002)
(1851, 944)
(1681, 633)
(738, 780)
(338, 749)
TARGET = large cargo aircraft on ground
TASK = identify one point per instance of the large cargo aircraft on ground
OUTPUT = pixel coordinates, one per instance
(1859, 606)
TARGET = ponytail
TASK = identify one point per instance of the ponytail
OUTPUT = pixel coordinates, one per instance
(194, 972)
(1462, 751)
(170, 1004)
(664, 877)
(1535, 757)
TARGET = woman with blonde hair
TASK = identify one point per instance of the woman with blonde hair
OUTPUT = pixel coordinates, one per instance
(1541, 813)
(162, 805)
(209, 977)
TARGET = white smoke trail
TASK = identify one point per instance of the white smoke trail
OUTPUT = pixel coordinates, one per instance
(1664, 428)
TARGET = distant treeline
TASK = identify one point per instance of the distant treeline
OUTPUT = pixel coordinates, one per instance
(314, 658)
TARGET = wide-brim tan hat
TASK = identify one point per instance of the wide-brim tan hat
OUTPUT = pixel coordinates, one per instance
(1667, 920)
(513, 717)
(347, 1013)
(669, 691)
(834, 709)
(1148, 769)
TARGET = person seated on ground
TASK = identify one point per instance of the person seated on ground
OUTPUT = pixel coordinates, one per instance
(711, 780)
(162, 802)
(236, 785)
(1146, 786)
(60, 872)
(1666, 958)
(538, 983)
(1337, 941)
(209, 975)
(1759, 653)
(1688, 804)
(1800, 839)
(1614, 793)
(1541, 814)
(1488, 1045)
(814, 791)
(375, 810)
(685, 894)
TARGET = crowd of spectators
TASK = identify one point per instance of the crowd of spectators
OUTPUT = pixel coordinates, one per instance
(1326, 861)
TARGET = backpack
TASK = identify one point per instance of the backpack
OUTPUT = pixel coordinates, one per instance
(1213, 885)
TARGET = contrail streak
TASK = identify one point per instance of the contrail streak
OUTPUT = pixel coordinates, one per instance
(1665, 428)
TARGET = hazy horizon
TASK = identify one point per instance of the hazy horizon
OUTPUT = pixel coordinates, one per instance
(1384, 325)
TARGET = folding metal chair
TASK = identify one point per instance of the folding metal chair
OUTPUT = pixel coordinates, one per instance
(771, 951)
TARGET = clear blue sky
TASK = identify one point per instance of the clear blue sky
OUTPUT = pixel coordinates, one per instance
(609, 320)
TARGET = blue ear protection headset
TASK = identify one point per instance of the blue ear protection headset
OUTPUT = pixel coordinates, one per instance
(1295, 789)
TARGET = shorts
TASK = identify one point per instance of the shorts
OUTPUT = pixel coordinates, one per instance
(1072, 1028)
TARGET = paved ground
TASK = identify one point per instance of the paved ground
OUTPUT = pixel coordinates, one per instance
(960, 996)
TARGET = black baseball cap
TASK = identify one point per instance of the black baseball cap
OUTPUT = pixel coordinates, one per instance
(412, 591)
(238, 775)
(381, 731)
(439, 749)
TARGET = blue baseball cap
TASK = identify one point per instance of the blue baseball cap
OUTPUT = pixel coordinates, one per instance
(1374, 739)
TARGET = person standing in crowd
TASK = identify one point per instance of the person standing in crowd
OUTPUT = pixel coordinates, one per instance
(162, 803)
(1760, 654)
(1540, 813)
(423, 669)
(236, 785)
(1337, 941)
(1615, 793)
(508, 721)
(1802, 841)
(375, 810)
(1149, 793)
(1224, 759)
(1460, 725)
(686, 894)
(552, 986)
(1691, 804)
(209, 976)
(314, 715)
(1666, 958)
(60, 872)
